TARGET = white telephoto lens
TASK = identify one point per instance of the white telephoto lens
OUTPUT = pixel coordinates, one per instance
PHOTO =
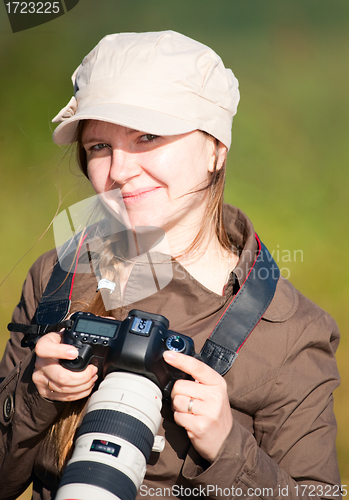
(114, 441)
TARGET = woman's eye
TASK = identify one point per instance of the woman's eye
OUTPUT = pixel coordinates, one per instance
(148, 137)
(98, 147)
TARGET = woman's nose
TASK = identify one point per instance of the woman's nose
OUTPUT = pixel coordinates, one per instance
(124, 166)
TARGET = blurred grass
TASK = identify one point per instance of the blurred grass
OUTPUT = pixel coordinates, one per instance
(288, 167)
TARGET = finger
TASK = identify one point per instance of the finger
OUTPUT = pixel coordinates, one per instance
(50, 346)
(186, 420)
(52, 370)
(68, 387)
(186, 404)
(72, 389)
(56, 396)
(205, 399)
(65, 379)
(190, 389)
(194, 367)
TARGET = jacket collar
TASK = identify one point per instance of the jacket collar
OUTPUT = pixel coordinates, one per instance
(241, 231)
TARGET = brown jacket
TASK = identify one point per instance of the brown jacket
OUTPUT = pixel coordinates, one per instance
(282, 443)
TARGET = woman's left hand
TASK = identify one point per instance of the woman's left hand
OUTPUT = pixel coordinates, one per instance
(201, 407)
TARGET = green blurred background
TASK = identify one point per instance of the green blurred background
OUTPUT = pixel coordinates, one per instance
(288, 167)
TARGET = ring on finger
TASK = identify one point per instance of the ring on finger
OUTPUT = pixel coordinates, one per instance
(48, 385)
(190, 405)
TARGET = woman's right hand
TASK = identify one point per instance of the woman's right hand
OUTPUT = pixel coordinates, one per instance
(55, 382)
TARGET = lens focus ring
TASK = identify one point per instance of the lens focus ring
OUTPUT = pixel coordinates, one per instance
(121, 425)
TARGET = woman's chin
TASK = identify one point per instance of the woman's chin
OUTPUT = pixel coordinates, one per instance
(142, 219)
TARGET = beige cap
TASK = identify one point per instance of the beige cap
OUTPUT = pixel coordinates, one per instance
(161, 83)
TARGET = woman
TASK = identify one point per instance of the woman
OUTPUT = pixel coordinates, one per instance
(152, 117)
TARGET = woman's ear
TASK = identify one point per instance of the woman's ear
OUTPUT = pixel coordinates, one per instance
(219, 156)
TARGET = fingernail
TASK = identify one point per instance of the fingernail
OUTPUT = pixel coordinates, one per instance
(170, 355)
(72, 352)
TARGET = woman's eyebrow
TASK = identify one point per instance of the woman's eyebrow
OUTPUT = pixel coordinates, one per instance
(92, 139)
(129, 131)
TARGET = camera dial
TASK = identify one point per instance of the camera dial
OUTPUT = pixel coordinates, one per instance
(176, 343)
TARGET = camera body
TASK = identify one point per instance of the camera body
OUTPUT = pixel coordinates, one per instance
(134, 345)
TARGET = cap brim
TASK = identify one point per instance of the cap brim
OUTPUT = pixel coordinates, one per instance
(137, 118)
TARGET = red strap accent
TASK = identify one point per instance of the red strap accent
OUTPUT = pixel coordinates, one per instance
(254, 262)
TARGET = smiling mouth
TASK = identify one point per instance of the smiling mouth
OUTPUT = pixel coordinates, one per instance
(138, 194)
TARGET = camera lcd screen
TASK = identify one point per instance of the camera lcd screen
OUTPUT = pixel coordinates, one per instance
(96, 328)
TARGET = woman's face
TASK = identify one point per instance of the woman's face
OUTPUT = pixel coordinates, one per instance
(154, 173)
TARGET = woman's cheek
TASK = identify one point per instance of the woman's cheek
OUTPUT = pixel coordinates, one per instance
(98, 175)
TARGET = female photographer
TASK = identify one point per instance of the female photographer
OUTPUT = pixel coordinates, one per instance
(152, 116)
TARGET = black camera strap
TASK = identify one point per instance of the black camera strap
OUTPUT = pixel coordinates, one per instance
(54, 304)
(220, 350)
(33, 332)
(243, 312)
(52, 309)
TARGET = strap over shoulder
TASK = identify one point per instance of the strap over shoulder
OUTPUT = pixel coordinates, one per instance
(243, 312)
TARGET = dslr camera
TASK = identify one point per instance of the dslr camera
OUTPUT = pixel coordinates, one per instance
(118, 431)
(134, 345)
